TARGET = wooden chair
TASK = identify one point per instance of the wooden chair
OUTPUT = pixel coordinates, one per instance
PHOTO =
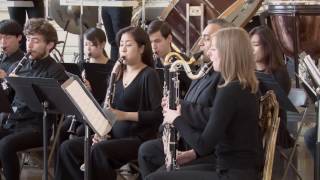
(269, 123)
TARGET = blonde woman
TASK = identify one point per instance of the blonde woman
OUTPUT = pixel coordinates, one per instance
(232, 128)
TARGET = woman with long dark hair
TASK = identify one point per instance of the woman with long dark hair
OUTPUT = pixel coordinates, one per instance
(136, 105)
(269, 59)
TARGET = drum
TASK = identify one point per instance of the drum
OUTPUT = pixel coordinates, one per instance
(296, 19)
(175, 15)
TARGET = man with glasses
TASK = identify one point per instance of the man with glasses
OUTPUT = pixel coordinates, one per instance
(195, 105)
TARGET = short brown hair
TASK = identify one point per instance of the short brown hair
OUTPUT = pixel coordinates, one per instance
(42, 27)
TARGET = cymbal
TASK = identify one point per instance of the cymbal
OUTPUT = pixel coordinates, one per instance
(68, 17)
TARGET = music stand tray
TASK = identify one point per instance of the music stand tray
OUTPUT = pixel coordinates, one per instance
(18, 3)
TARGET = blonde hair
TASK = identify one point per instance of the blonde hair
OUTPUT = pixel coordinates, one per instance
(236, 57)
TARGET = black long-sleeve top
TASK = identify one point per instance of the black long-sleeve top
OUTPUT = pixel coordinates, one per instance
(195, 108)
(142, 95)
(44, 68)
(8, 61)
(232, 129)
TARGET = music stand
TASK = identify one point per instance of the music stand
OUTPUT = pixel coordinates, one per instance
(97, 75)
(72, 68)
(5, 104)
(45, 96)
(267, 82)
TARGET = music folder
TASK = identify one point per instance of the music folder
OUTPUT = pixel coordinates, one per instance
(267, 82)
(4, 101)
(100, 120)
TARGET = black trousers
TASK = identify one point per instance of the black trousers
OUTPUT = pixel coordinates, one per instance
(151, 158)
(12, 142)
(114, 19)
(105, 157)
(19, 14)
(195, 173)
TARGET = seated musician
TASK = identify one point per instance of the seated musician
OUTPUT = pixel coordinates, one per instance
(199, 97)
(23, 129)
(136, 105)
(161, 38)
(269, 59)
(10, 37)
(94, 44)
(232, 129)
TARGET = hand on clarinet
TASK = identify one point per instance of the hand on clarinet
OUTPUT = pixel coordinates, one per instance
(184, 157)
(3, 74)
(170, 115)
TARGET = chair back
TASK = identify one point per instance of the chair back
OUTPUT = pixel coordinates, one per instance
(269, 123)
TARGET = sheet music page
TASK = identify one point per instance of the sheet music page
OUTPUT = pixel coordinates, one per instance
(91, 112)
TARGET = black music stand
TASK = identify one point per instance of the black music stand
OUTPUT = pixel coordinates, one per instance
(97, 75)
(5, 104)
(267, 82)
(45, 96)
(72, 68)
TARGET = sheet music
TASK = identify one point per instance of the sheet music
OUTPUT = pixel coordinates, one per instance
(88, 108)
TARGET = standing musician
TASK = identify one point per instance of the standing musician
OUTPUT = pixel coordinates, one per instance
(10, 37)
(161, 38)
(114, 19)
(232, 129)
(198, 99)
(94, 44)
(137, 106)
(23, 129)
(19, 14)
(269, 59)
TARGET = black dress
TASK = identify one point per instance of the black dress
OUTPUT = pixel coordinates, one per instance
(143, 95)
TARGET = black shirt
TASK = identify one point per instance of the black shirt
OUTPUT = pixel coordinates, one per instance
(7, 61)
(142, 95)
(232, 129)
(45, 68)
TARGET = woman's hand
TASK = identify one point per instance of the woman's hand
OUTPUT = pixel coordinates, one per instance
(96, 138)
(120, 115)
(164, 102)
(184, 157)
(170, 115)
(87, 84)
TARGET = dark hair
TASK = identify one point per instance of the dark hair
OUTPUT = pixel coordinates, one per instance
(142, 39)
(158, 25)
(273, 54)
(42, 27)
(221, 22)
(10, 27)
(96, 36)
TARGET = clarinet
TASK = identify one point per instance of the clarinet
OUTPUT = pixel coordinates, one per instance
(21, 63)
(170, 137)
(111, 85)
(171, 91)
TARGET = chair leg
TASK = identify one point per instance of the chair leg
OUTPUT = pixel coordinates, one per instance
(289, 163)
